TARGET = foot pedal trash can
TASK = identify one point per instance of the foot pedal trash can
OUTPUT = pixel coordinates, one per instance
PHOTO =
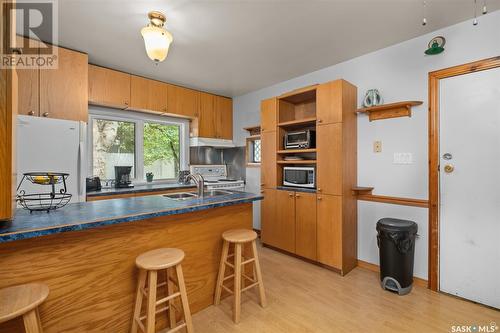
(396, 242)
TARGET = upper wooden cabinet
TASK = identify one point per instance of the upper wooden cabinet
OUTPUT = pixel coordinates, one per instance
(224, 112)
(64, 91)
(329, 165)
(60, 93)
(183, 101)
(29, 91)
(207, 119)
(268, 163)
(148, 95)
(108, 87)
(268, 114)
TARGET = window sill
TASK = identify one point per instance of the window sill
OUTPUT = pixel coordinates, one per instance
(253, 165)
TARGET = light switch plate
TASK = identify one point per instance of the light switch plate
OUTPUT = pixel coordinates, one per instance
(377, 146)
(403, 158)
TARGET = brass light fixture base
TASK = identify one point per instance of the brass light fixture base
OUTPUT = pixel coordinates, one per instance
(157, 18)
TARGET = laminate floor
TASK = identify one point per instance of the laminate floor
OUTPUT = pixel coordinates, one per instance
(306, 298)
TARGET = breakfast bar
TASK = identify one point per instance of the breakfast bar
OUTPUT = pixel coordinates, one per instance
(85, 253)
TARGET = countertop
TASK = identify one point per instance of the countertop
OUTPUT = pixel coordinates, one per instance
(86, 215)
(139, 189)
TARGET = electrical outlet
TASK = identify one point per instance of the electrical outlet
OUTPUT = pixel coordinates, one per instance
(403, 158)
(377, 146)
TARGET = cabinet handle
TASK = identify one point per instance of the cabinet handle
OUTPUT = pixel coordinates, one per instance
(297, 195)
(31, 113)
(126, 103)
(45, 114)
(290, 195)
(319, 189)
(319, 121)
(320, 198)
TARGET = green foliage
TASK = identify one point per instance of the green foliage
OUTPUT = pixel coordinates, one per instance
(125, 137)
(161, 142)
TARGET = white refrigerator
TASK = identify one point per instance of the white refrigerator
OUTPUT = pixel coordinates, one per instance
(52, 145)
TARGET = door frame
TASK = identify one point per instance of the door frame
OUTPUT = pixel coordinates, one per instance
(434, 78)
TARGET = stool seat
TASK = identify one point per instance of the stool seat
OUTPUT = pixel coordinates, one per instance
(239, 236)
(159, 259)
(17, 300)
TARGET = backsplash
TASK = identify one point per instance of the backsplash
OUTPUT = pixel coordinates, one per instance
(234, 158)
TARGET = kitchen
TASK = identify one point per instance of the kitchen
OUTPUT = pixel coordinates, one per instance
(116, 168)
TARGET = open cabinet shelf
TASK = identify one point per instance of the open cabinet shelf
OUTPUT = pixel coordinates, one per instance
(298, 162)
(298, 122)
(296, 151)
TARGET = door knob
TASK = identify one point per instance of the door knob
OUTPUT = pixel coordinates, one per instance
(448, 168)
(447, 156)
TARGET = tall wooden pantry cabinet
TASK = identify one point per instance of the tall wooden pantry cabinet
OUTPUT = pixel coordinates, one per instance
(318, 224)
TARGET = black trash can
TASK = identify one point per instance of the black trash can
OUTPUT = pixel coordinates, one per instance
(396, 242)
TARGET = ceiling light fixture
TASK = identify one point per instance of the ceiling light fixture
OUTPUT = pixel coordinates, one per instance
(157, 39)
(424, 10)
(485, 10)
(475, 22)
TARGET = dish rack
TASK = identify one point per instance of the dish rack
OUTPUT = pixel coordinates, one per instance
(46, 201)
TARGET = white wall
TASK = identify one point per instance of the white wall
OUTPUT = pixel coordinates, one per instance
(400, 73)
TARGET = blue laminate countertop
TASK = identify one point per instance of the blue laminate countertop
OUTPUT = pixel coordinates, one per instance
(86, 215)
(139, 189)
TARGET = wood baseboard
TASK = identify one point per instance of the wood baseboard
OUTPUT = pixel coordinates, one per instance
(376, 268)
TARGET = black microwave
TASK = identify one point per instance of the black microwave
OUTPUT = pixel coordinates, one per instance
(299, 177)
(303, 139)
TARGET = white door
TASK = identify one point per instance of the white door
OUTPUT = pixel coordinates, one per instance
(470, 194)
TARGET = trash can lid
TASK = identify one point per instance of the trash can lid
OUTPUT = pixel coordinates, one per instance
(390, 224)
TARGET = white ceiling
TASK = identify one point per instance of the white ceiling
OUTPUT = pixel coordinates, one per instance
(231, 47)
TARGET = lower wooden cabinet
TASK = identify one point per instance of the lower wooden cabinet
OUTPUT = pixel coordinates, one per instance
(305, 225)
(318, 227)
(329, 230)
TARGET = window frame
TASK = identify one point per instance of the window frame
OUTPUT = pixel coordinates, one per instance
(139, 118)
(249, 151)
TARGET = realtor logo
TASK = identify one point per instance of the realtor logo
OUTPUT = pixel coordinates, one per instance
(29, 31)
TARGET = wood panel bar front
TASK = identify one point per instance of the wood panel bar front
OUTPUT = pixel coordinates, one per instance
(92, 275)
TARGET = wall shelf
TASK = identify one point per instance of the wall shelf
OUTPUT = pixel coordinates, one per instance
(365, 194)
(392, 110)
(253, 130)
(296, 151)
(298, 162)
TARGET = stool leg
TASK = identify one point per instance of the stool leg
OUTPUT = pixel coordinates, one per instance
(184, 299)
(151, 310)
(170, 291)
(262, 293)
(138, 299)
(237, 283)
(222, 271)
(31, 322)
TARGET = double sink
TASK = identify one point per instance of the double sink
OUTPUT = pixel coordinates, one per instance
(189, 196)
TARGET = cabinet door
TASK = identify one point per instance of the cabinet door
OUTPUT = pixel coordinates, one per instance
(207, 119)
(285, 221)
(305, 225)
(183, 101)
(268, 162)
(108, 87)
(224, 112)
(28, 82)
(28, 91)
(269, 230)
(329, 102)
(329, 230)
(64, 91)
(268, 115)
(148, 95)
(329, 158)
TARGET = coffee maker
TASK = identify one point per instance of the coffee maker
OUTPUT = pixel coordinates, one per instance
(122, 177)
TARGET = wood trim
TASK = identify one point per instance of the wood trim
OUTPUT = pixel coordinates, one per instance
(376, 268)
(360, 190)
(395, 200)
(392, 110)
(434, 78)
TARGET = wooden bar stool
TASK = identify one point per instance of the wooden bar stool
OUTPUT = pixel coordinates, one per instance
(239, 238)
(23, 300)
(150, 264)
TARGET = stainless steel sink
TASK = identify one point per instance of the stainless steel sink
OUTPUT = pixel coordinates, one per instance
(181, 196)
(189, 196)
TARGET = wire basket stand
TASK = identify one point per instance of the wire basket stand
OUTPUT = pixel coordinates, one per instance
(46, 201)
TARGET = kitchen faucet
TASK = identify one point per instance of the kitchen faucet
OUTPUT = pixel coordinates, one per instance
(200, 183)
